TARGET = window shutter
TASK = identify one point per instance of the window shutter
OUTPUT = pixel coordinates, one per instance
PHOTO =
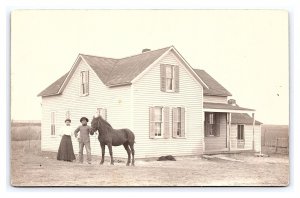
(87, 82)
(163, 78)
(81, 82)
(166, 113)
(175, 116)
(217, 124)
(176, 76)
(151, 123)
(182, 122)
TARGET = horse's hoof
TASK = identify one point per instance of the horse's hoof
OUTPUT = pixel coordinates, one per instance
(127, 164)
(101, 163)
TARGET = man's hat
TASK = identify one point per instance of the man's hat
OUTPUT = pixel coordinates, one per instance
(68, 119)
(84, 118)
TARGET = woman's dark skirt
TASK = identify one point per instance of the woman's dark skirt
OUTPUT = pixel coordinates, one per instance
(65, 151)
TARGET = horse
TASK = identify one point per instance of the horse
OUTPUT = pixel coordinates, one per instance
(113, 137)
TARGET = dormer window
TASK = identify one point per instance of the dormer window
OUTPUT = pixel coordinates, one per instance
(84, 85)
(169, 78)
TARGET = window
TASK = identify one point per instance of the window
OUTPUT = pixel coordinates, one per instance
(169, 78)
(52, 123)
(102, 112)
(212, 124)
(84, 85)
(159, 122)
(68, 115)
(240, 132)
(178, 122)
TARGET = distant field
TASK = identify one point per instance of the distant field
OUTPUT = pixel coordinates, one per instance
(21, 131)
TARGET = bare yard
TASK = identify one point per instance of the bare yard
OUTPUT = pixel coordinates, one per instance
(30, 167)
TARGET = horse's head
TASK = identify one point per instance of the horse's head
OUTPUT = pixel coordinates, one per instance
(95, 123)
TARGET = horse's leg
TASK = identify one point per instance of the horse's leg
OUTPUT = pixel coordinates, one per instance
(128, 153)
(132, 152)
(103, 152)
(110, 153)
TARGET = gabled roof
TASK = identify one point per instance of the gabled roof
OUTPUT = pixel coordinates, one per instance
(243, 118)
(54, 87)
(116, 72)
(214, 88)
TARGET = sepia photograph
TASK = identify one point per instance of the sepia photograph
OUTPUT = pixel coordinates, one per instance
(150, 98)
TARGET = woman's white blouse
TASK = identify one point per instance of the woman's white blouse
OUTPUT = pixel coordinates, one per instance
(67, 130)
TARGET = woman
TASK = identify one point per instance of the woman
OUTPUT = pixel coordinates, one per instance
(65, 151)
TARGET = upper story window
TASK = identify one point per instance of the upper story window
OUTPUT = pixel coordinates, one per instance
(169, 78)
(170, 82)
(84, 83)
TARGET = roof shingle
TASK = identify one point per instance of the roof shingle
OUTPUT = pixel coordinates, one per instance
(214, 88)
(243, 118)
(54, 87)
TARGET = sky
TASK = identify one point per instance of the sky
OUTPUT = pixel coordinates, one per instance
(246, 51)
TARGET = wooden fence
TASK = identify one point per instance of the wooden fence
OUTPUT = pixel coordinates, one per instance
(274, 142)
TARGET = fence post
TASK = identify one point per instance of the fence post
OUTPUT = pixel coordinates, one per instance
(276, 145)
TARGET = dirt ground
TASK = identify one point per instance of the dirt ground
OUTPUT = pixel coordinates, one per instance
(30, 167)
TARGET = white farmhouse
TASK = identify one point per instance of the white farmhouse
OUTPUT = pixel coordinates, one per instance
(172, 108)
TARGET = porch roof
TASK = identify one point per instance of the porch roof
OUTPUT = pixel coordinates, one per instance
(223, 107)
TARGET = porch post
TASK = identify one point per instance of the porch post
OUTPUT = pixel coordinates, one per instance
(253, 128)
(229, 131)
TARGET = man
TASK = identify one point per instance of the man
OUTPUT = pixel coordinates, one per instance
(84, 139)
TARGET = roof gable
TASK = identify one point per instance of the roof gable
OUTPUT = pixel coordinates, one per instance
(214, 87)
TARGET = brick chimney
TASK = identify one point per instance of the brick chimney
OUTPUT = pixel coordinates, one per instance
(232, 102)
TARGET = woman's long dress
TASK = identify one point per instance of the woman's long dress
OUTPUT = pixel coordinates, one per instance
(65, 151)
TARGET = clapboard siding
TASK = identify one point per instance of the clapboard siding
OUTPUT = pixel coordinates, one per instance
(215, 99)
(115, 100)
(146, 93)
(248, 131)
(218, 142)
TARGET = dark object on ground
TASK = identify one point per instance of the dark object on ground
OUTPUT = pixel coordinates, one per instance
(166, 158)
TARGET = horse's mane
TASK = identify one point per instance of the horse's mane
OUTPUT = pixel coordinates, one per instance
(104, 124)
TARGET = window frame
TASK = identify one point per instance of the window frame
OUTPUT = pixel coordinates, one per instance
(212, 124)
(52, 124)
(178, 120)
(172, 67)
(161, 122)
(240, 132)
(104, 110)
(84, 83)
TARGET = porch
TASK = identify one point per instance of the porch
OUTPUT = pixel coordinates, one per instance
(221, 135)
